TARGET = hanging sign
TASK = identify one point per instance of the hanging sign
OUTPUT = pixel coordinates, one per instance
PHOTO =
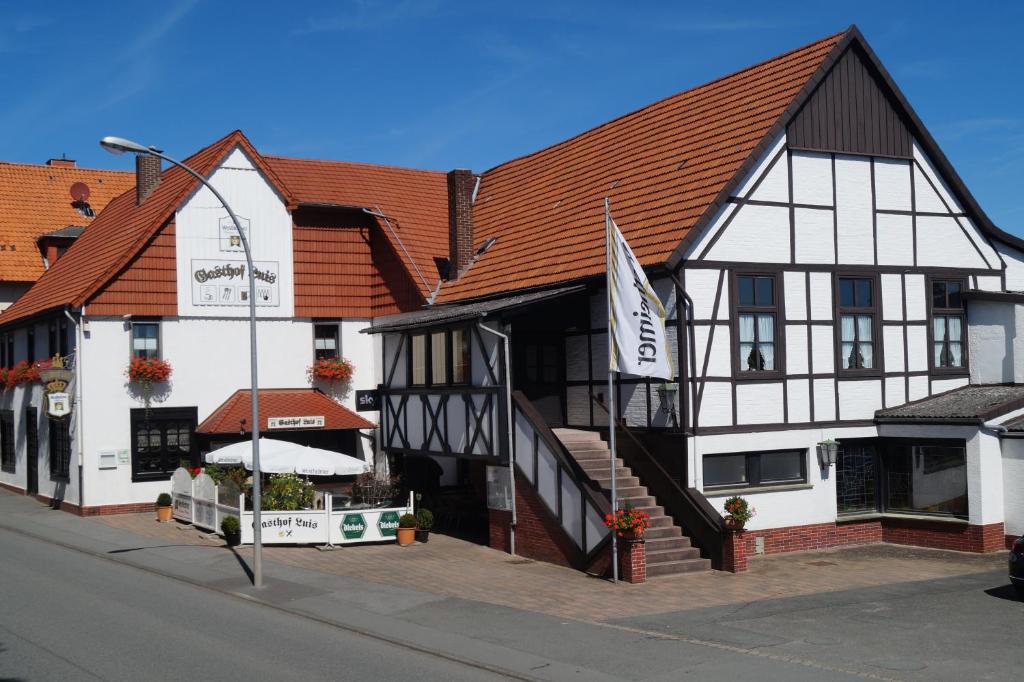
(368, 400)
(58, 404)
(217, 282)
(310, 422)
(229, 238)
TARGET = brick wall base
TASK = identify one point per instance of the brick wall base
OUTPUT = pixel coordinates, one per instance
(98, 510)
(632, 561)
(917, 532)
(538, 535)
(1009, 540)
(734, 552)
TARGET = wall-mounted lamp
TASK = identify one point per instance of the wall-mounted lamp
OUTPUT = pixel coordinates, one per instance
(828, 453)
(667, 395)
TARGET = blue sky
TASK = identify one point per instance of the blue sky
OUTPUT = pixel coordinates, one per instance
(469, 84)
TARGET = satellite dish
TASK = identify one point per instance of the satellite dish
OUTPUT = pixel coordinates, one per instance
(80, 192)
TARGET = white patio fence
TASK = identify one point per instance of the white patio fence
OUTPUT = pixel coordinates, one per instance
(203, 503)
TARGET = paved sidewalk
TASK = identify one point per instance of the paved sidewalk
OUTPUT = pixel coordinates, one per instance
(451, 567)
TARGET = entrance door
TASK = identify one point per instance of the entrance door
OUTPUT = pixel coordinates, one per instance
(539, 371)
(32, 450)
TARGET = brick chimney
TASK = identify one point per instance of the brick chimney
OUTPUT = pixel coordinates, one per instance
(460, 220)
(147, 176)
(61, 163)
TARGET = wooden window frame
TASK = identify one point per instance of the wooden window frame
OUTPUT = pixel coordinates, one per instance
(875, 310)
(8, 444)
(154, 416)
(447, 380)
(947, 312)
(778, 310)
(752, 466)
(159, 335)
(336, 324)
(59, 430)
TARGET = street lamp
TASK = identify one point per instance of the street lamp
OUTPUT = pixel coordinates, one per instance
(119, 145)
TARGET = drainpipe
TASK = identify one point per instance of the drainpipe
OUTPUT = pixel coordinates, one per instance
(511, 428)
(998, 428)
(78, 406)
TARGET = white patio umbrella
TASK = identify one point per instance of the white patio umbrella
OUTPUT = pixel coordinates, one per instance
(282, 457)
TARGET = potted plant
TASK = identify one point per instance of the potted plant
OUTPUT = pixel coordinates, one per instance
(163, 507)
(628, 523)
(232, 529)
(331, 370)
(146, 372)
(424, 522)
(737, 512)
(406, 530)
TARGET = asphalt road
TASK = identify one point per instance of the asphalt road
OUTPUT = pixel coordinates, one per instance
(68, 616)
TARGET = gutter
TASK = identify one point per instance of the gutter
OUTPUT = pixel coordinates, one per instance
(80, 424)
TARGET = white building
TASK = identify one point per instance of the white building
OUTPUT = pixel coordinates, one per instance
(159, 275)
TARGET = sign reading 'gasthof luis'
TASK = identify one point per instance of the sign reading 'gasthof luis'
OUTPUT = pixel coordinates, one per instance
(224, 282)
(307, 422)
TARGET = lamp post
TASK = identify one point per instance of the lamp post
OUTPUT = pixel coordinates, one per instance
(119, 145)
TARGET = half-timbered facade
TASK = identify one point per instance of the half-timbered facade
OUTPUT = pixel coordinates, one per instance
(823, 267)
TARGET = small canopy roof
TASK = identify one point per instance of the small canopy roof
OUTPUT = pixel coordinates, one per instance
(973, 404)
(448, 314)
(280, 457)
(235, 414)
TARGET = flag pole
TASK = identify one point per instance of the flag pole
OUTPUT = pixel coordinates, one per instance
(611, 382)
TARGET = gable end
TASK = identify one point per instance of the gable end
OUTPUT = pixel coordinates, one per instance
(851, 111)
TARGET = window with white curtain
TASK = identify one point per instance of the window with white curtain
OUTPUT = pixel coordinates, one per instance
(756, 314)
(857, 323)
(947, 325)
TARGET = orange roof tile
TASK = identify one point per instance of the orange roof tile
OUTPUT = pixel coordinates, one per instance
(119, 233)
(414, 201)
(35, 200)
(662, 167)
(280, 402)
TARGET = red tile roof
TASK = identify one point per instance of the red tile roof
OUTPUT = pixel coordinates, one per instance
(280, 402)
(662, 167)
(35, 200)
(119, 233)
(414, 201)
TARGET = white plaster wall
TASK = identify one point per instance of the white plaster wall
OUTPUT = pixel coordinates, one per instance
(821, 296)
(702, 286)
(796, 349)
(211, 360)
(759, 403)
(812, 178)
(815, 238)
(853, 207)
(775, 186)
(1013, 474)
(917, 388)
(197, 235)
(757, 234)
(892, 185)
(892, 345)
(795, 291)
(716, 404)
(991, 334)
(892, 297)
(813, 504)
(823, 357)
(824, 400)
(895, 239)
(895, 391)
(720, 358)
(859, 399)
(941, 242)
(799, 400)
(943, 385)
(988, 283)
(917, 348)
(1014, 260)
(917, 307)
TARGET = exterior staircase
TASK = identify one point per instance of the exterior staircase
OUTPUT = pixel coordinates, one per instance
(668, 551)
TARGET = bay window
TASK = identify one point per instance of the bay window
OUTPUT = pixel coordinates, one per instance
(439, 358)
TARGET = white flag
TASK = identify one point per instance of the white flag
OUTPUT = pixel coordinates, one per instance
(636, 317)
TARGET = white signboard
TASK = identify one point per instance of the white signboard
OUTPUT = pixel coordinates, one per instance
(298, 527)
(58, 404)
(229, 239)
(310, 422)
(222, 282)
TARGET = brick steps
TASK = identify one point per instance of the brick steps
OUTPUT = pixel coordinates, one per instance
(668, 550)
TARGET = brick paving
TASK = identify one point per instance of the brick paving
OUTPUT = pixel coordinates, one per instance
(452, 567)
